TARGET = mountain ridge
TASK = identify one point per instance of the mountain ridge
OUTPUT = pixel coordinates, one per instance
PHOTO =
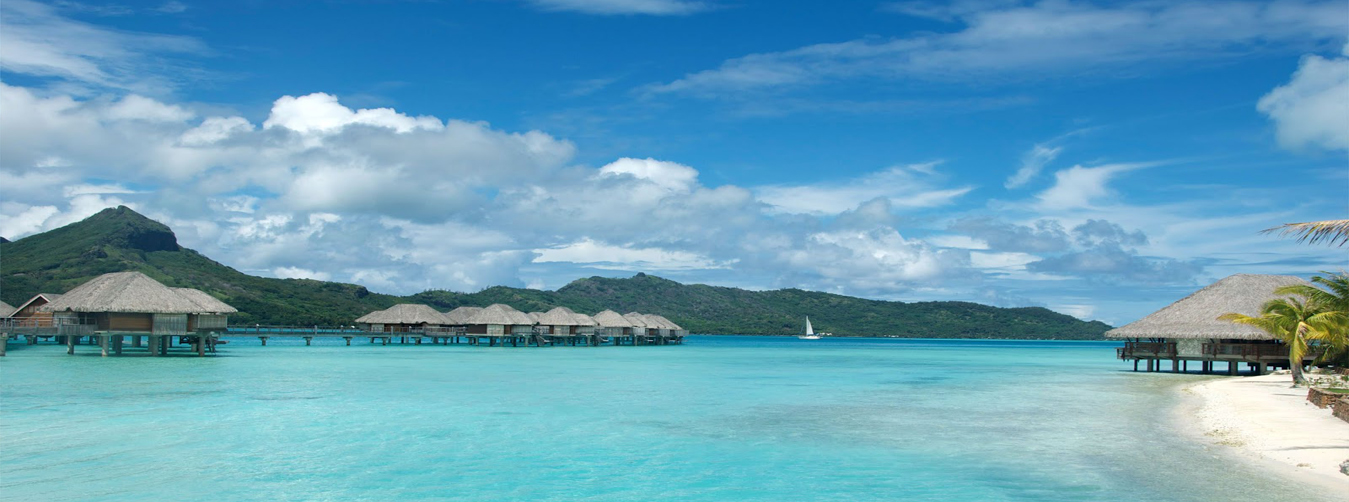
(119, 239)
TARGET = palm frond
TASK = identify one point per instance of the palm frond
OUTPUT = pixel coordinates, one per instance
(1333, 232)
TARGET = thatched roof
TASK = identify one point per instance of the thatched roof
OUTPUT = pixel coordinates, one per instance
(461, 315)
(637, 320)
(584, 320)
(209, 304)
(611, 319)
(664, 323)
(126, 292)
(500, 313)
(6, 310)
(406, 313)
(560, 316)
(1196, 316)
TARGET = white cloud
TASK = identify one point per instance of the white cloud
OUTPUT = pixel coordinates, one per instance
(214, 130)
(1037, 41)
(39, 42)
(1312, 109)
(668, 175)
(321, 113)
(607, 256)
(1079, 311)
(1010, 261)
(1031, 164)
(611, 7)
(1081, 187)
(910, 186)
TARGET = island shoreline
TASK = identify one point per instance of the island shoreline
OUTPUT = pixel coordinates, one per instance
(1262, 422)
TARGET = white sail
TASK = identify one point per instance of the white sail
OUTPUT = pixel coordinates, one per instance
(810, 332)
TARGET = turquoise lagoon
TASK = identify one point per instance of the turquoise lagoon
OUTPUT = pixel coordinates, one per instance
(717, 419)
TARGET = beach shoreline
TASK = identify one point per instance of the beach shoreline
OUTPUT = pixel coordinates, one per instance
(1264, 422)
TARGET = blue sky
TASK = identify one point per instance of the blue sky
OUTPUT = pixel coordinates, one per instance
(1098, 158)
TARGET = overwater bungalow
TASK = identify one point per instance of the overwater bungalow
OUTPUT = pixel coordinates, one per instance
(561, 322)
(1189, 329)
(642, 333)
(612, 325)
(461, 315)
(404, 318)
(112, 306)
(499, 322)
(585, 326)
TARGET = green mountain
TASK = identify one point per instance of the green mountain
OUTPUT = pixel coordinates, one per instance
(120, 239)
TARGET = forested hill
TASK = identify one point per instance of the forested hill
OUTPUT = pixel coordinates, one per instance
(120, 239)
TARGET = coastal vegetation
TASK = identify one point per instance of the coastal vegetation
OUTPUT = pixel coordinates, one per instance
(1307, 318)
(119, 239)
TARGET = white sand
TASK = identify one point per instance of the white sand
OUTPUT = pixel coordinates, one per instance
(1263, 420)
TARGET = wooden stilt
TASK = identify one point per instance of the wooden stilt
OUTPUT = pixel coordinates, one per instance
(308, 340)
(348, 339)
(70, 345)
(117, 345)
(135, 341)
(264, 340)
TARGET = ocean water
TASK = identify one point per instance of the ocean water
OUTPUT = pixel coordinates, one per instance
(717, 419)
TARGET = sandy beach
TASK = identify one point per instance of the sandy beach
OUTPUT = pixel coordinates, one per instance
(1264, 421)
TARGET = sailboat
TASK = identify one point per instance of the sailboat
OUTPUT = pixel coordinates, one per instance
(810, 332)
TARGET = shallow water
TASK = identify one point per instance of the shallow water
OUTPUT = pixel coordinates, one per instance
(717, 419)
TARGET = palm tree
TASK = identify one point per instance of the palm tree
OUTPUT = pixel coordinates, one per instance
(1333, 232)
(1333, 296)
(1295, 322)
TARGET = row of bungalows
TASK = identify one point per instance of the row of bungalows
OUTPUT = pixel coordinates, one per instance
(113, 306)
(503, 324)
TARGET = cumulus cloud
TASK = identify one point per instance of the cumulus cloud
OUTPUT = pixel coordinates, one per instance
(1041, 237)
(321, 113)
(1108, 253)
(1014, 40)
(1312, 109)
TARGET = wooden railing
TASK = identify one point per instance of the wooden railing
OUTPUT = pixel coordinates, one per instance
(1245, 351)
(1149, 350)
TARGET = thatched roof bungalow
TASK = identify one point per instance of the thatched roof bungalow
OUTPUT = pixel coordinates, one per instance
(500, 319)
(640, 324)
(585, 325)
(403, 318)
(612, 323)
(1196, 316)
(460, 316)
(6, 309)
(1189, 328)
(135, 303)
(561, 321)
